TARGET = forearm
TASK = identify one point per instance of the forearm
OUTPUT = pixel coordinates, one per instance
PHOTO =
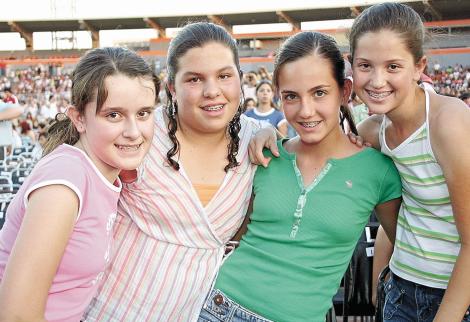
(457, 297)
(11, 113)
(19, 317)
(383, 250)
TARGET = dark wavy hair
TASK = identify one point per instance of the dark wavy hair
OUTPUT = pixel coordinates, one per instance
(88, 84)
(307, 43)
(196, 35)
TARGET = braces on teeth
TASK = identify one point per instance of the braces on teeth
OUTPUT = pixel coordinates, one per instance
(213, 108)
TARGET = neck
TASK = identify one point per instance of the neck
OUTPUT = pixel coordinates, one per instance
(411, 113)
(192, 137)
(332, 146)
(263, 108)
(107, 171)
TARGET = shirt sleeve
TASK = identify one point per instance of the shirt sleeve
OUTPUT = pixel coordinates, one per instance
(59, 170)
(390, 187)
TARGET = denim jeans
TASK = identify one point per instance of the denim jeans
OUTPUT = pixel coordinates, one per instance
(219, 308)
(406, 301)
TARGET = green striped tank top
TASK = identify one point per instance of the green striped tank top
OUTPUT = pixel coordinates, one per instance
(427, 242)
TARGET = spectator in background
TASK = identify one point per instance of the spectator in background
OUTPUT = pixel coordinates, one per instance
(266, 112)
(39, 146)
(9, 97)
(250, 80)
(264, 74)
(8, 112)
(27, 135)
(249, 104)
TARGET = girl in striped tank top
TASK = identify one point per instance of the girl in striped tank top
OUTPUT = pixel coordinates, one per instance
(426, 136)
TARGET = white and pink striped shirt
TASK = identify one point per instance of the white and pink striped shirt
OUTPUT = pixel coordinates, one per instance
(168, 246)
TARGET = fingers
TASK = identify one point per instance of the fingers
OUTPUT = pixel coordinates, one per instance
(272, 145)
(359, 141)
(352, 137)
(255, 151)
(265, 138)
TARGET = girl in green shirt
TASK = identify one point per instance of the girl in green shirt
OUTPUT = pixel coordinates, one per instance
(311, 204)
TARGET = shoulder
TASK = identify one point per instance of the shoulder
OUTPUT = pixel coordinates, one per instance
(369, 129)
(279, 114)
(249, 113)
(63, 164)
(248, 123)
(449, 119)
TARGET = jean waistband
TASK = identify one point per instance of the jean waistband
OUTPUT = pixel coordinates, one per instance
(413, 284)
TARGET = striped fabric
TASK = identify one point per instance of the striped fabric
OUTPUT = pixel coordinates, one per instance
(168, 245)
(427, 241)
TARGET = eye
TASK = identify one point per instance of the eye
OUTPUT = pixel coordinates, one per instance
(289, 97)
(225, 76)
(393, 67)
(319, 93)
(144, 114)
(113, 116)
(363, 66)
(194, 79)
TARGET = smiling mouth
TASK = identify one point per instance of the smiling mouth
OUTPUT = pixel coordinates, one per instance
(380, 95)
(132, 147)
(310, 124)
(213, 108)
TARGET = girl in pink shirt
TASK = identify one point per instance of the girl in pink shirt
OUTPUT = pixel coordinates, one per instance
(56, 240)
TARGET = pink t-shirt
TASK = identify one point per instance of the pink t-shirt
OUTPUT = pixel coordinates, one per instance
(88, 249)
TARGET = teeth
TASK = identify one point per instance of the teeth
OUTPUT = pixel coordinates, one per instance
(128, 147)
(310, 124)
(213, 108)
(378, 95)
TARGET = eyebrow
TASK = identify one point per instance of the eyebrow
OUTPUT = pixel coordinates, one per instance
(313, 89)
(387, 61)
(107, 109)
(199, 73)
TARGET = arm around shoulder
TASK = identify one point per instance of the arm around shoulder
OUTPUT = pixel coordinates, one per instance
(369, 130)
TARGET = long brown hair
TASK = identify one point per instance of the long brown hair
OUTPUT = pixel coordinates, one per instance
(88, 84)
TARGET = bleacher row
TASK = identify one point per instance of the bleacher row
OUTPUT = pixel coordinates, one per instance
(13, 171)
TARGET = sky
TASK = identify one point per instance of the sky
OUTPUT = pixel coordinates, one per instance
(95, 9)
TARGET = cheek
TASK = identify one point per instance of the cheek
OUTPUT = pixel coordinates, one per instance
(289, 111)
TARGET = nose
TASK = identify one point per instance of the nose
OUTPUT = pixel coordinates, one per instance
(378, 79)
(307, 108)
(211, 89)
(132, 129)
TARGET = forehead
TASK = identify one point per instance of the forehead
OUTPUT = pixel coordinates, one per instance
(264, 86)
(210, 57)
(308, 71)
(381, 45)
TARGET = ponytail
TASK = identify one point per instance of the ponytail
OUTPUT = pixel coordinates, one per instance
(60, 132)
(345, 114)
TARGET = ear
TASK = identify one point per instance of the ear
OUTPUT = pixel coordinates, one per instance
(419, 68)
(347, 89)
(77, 119)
